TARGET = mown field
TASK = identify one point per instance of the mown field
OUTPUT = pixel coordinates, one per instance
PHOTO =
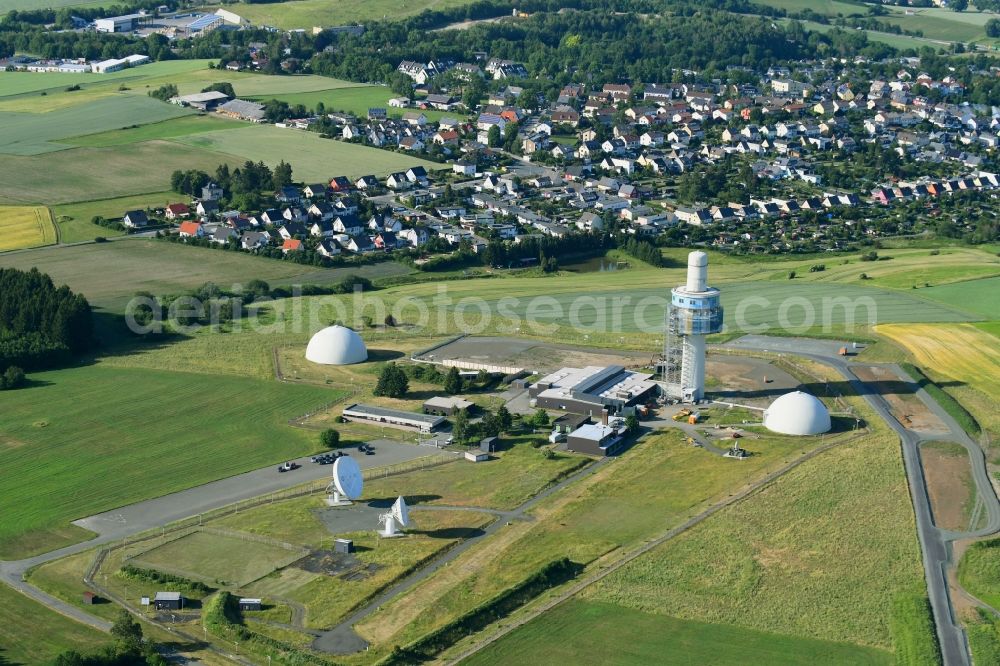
(110, 273)
(355, 99)
(85, 174)
(33, 634)
(167, 129)
(111, 436)
(595, 632)
(36, 133)
(25, 226)
(980, 297)
(312, 157)
(309, 13)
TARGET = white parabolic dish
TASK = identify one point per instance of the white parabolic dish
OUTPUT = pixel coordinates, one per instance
(401, 512)
(347, 477)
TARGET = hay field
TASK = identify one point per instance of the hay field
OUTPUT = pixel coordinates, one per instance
(961, 352)
(312, 157)
(32, 634)
(25, 226)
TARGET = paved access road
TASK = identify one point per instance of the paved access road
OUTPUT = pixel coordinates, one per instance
(129, 520)
(935, 543)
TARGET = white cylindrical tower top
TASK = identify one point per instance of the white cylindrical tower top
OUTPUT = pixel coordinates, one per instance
(697, 271)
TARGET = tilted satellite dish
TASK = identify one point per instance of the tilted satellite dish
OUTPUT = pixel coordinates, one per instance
(398, 516)
(347, 482)
(401, 512)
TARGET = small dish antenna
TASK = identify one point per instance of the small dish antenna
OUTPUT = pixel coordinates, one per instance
(347, 482)
(398, 517)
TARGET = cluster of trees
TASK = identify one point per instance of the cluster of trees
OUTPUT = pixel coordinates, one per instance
(128, 649)
(41, 325)
(642, 250)
(392, 382)
(501, 254)
(244, 185)
(492, 424)
(165, 92)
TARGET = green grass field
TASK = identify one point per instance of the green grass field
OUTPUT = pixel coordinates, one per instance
(110, 436)
(356, 99)
(979, 571)
(811, 555)
(110, 273)
(167, 129)
(217, 559)
(309, 13)
(85, 174)
(36, 133)
(592, 632)
(981, 297)
(25, 226)
(33, 634)
(312, 158)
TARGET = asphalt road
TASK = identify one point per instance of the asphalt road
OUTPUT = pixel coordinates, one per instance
(935, 543)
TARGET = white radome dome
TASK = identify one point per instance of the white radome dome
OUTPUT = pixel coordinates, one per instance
(797, 413)
(336, 345)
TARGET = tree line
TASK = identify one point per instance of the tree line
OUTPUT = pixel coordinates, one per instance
(41, 325)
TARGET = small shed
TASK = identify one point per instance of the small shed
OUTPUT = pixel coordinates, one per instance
(89, 598)
(168, 601)
(489, 444)
(248, 604)
(343, 546)
(521, 384)
(476, 456)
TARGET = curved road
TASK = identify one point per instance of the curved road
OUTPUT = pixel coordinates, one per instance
(935, 543)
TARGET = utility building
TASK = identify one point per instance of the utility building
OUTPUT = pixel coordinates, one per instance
(593, 389)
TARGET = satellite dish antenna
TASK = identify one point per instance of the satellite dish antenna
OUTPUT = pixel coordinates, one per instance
(347, 482)
(398, 516)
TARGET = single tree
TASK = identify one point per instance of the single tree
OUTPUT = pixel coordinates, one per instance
(460, 427)
(392, 382)
(330, 438)
(505, 419)
(490, 424)
(453, 381)
(631, 424)
(540, 419)
(127, 631)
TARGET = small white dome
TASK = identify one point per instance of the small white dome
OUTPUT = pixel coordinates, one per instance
(336, 345)
(797, 413)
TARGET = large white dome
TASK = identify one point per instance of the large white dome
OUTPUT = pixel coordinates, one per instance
(336, 345)
(797, 413)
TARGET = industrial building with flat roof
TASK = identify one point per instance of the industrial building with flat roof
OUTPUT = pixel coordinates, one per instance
(446, 405)
(125, 23)
(591, 389)
(393, 417)
(595, 439)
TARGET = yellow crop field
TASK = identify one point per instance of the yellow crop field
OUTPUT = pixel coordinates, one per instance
(962, 352)
(25, 226)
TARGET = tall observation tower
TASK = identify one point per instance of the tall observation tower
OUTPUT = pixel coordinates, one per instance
(694, 312)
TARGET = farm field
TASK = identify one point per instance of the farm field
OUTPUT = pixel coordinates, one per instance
(309, 13)
(981, 297)
(25, 226)
(961, 352)
(33, 634)
(68, 176)
(167, 129)
(356, 99)
(811, 555)
(37, 133)
(979, 571)
(110, 273)
(312, 157)
(71, 433)
(595, 632)
(74, 219)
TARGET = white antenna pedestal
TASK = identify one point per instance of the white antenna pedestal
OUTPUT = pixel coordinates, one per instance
(389, 527)
(335, 498)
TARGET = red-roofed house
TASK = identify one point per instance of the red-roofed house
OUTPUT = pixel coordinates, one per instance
(292, 245)
(175, 211)
(191, 230)
(340, 184)
(445, 137)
